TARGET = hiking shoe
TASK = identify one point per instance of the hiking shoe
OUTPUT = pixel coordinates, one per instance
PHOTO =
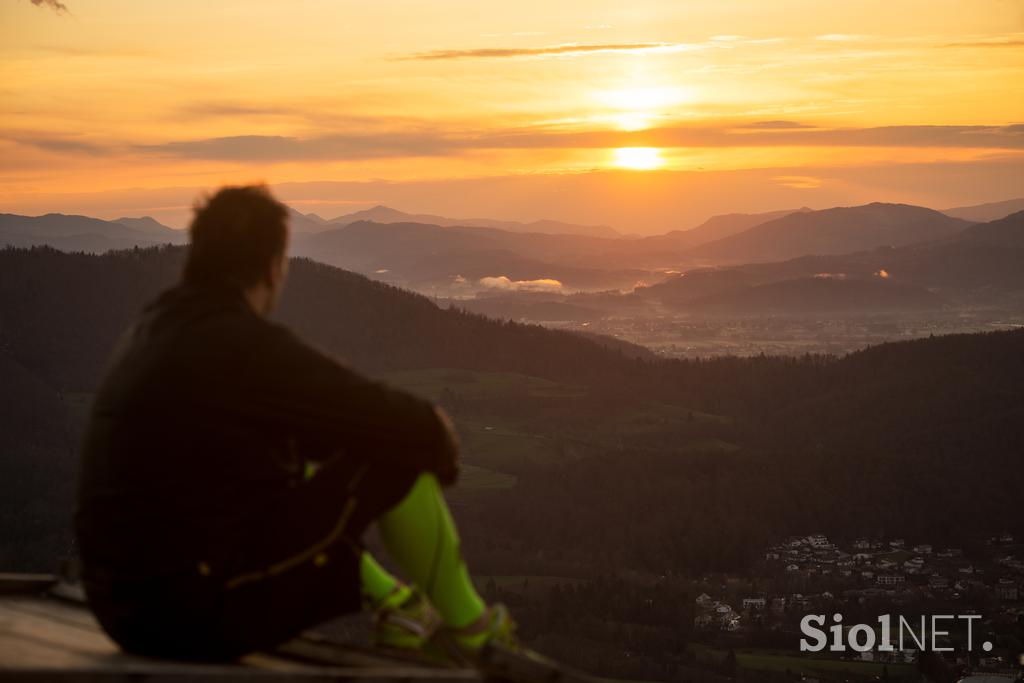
(495, 626)
(491, 636)
(405, 620)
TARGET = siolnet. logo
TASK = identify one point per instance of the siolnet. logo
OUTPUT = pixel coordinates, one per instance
(931, 634)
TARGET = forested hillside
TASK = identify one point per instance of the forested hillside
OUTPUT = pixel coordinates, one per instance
(61, 314)
(584, 458)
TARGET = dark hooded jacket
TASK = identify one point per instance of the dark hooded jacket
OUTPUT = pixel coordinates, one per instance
(207, 412)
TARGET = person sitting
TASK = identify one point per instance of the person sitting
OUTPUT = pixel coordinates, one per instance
(230, 470)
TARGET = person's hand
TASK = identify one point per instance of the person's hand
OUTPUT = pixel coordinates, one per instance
(448, 458)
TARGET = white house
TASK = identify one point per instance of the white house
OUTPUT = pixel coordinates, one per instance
(754, 603)
(1007, 590)
(818, 540)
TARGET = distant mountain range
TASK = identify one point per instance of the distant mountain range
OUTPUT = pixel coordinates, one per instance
(445, 258)
(82, 233)
(1004, 232)
(981, 264)
(719, 227)
(384, 214)
(305, 223)
(425, 257)
(432, 257)
(839, 230)
(982, 213)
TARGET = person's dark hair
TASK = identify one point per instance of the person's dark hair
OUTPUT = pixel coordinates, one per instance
(235, 235)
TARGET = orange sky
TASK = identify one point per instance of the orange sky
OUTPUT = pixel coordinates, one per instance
(645, 115)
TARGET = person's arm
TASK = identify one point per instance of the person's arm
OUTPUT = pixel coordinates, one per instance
(306, 390)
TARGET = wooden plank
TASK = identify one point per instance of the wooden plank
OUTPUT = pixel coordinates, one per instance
(18, 652)
(44, 639)
(226, 675)
(154, 673)
(269, 662)
(326, 654)
(74, 639)
(57, 610)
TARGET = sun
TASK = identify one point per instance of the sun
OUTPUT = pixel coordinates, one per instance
(638, 158)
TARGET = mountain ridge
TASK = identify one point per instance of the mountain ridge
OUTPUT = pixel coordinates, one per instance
(837, 230)
(387, 214)
(981, 261)
(987, 212)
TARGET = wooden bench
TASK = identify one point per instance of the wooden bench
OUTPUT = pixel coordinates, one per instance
(47, 633)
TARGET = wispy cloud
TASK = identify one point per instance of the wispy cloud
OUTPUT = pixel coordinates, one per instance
(63, 145)
(218, 109)
(800, 182)
(839, 37)
(283, 148)
(566, 50)
(776, 125)
(55, 5)
(103, 51)
(992, 137)
(1009, 40)
(438, 143)
(312, 114)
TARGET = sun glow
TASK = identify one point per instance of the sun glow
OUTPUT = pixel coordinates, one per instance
(632, 120)
(644, 99)
(758, 108)
(637, 108)
(638, 158)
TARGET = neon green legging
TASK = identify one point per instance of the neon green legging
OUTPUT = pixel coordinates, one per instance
(420, 536)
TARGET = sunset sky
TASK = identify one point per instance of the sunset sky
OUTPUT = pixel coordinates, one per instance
(647, 116)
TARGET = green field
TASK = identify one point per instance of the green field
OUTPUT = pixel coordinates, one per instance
(666, 412)
(475, 385)
(500, 445)
(503, 444)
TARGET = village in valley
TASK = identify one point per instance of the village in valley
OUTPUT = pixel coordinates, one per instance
(865, 579)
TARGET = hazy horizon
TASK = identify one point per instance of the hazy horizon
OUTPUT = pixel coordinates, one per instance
(647, 118)
(584, 199)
